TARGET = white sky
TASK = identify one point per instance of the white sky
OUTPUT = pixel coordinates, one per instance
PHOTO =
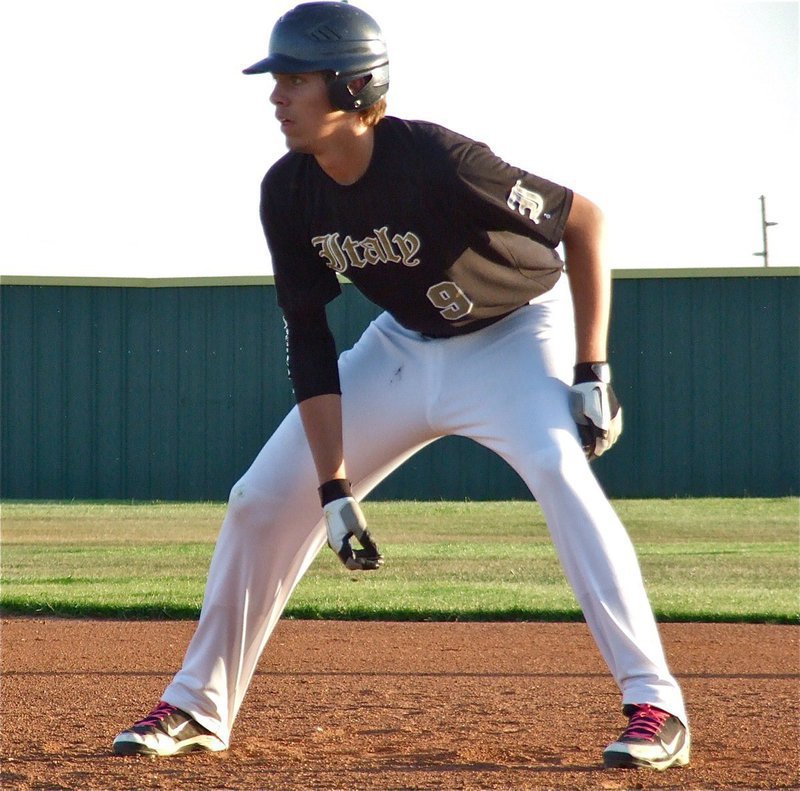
(134, 147)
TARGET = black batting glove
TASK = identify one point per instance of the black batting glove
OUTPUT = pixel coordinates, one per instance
(595, 408)
(345, 519)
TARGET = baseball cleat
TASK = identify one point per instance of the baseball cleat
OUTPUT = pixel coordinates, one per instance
(654, 739)
(166, 730)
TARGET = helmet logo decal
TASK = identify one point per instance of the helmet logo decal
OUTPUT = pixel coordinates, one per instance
(380, 248)
(324, 33)
(522, 199)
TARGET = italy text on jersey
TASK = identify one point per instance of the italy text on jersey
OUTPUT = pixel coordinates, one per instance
(380, 248)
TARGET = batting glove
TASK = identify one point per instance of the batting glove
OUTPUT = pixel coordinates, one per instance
(595, 408)
(345, 519)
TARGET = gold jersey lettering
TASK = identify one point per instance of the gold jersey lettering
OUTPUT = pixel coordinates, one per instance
(382, 235)
(377, 249)
(331, 251)
(351, 248)
(409, 245)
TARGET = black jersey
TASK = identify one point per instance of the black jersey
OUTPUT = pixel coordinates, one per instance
(439, 231)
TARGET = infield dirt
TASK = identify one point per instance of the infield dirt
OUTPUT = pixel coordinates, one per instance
(362, 706)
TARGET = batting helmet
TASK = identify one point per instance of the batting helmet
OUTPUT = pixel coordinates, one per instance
(333, 37)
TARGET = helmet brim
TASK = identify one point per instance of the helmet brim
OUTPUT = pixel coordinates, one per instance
(280, 64)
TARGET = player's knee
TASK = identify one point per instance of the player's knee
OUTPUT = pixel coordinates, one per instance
(248, 506)
(553, 462)
(238, 493)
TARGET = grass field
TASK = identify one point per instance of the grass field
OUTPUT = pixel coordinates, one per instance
(703, 560)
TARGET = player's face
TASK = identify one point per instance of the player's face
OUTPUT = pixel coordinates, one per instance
(304, 111)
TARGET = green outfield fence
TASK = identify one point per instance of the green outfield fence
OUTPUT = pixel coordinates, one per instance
(166, 389)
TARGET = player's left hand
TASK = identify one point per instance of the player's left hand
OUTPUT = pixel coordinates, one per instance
(345, 519)
(595, 408)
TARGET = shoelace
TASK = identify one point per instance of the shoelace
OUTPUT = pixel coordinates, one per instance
(160, 712)
(645, 723)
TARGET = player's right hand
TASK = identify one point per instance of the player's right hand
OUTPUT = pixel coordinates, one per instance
(345, 519)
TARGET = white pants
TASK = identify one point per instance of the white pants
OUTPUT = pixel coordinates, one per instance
(504, 386)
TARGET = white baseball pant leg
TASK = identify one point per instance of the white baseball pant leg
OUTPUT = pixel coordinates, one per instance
(521, 412)
(273, 527)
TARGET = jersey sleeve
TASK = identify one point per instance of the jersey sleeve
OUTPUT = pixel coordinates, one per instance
(302, 280)
(311, 354)
(505, 197)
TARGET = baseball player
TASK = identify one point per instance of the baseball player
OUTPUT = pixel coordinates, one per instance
(485, 333)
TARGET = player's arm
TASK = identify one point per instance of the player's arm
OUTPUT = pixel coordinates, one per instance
(594, 404)
(589, 278)
(313, 368)
(322, 421)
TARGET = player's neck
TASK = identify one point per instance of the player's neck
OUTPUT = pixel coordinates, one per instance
(347, 158)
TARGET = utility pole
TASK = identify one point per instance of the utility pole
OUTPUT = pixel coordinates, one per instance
(764, 225)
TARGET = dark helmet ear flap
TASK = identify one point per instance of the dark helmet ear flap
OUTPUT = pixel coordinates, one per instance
(354, 92)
